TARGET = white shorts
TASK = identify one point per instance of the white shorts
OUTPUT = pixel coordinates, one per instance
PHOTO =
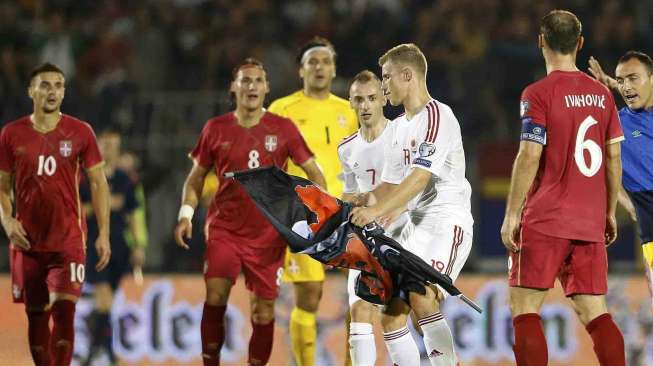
(394, 231)
(441, 242)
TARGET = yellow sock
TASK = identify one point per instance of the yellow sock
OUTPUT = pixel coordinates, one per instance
(647, 250)
(303, 336)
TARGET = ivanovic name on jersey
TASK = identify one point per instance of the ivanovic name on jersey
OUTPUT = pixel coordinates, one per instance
(585, 100)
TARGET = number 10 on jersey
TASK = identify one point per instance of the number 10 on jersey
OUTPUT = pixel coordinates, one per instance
(47, 165)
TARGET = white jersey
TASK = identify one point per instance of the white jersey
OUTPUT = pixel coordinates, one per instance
(362, 162)
(431, 140)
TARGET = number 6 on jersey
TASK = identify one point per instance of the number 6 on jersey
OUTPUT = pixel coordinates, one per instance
(596, 155)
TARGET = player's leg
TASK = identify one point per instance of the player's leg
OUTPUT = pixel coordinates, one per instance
(99, 322)
(446, 246)
(532, 271)
(585, 282)
(221, 267)
(362, 348)
(104, 283)
(530, 344)
(66, 272)
(307, 276)
(37, 308)
(396, 335)
(263, 268)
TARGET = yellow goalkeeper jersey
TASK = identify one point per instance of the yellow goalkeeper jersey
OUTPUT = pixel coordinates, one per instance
(323, 123)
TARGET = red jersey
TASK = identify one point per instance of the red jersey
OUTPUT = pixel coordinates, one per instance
(575, 118)
(46, 169)
(228, 146)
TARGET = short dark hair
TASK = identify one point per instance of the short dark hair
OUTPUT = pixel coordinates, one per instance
(561, 30)
(364, 76)
(316, 41)
(641, 57)
(250, 62)
(46, 67)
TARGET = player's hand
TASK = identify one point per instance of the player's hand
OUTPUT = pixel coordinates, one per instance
(184, 229)
(361, 216)
(103, 248)
(597, 71)
(16, 233)
(137, 257)
(510, 232)
(610, 230)
(386, 220)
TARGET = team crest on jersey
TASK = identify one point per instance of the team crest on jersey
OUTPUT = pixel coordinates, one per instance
(426, 149)
(65, 148)
(270, 142)
(342, 120)
(523, 107)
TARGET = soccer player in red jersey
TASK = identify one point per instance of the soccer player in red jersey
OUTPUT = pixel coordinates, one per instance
(238, 237)
(44, 154)
(560, 214)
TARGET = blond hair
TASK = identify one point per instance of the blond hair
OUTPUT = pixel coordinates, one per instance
(407, 54)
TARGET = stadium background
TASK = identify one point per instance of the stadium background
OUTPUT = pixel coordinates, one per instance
(156, 70)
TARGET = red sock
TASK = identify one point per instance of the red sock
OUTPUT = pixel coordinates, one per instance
(63, 332)
(608, 341)
(38, 335)
(212, 333)
(260, 345)
(530, 345)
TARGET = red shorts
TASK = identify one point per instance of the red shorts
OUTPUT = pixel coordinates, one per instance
(44, 273)
(262, 267)
(581, 266)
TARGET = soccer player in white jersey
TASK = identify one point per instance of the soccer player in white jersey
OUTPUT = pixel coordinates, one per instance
(361, 157)
(424, 169)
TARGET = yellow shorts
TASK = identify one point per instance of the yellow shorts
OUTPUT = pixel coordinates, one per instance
(301, 268)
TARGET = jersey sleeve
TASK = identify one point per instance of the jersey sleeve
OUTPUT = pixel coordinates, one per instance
(436, 135)
(6, 152)
(393, 170)
(297, 147)
(615, 133)
(351, 185)
(90, 155)
(532, 111)
(202, 152)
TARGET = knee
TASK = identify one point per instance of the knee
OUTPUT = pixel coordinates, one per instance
(362, 312)
(217, 294)
(425, 305)
(262, 311)
(308, 296)
(103, 297)
(589, 307)
(391, 323)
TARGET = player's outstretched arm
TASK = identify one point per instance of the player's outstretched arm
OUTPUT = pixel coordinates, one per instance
(408, 189)
(13, 228)
(625, 202)
(523, 175)
(190, 199)
(314, 173)
(100, 199)
(597, 71)
(613, 183)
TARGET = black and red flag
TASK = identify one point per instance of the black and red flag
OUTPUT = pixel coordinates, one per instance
(315, 223)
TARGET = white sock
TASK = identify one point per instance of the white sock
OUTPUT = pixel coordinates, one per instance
(438, 340)
(361, 344)
(402, 347)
